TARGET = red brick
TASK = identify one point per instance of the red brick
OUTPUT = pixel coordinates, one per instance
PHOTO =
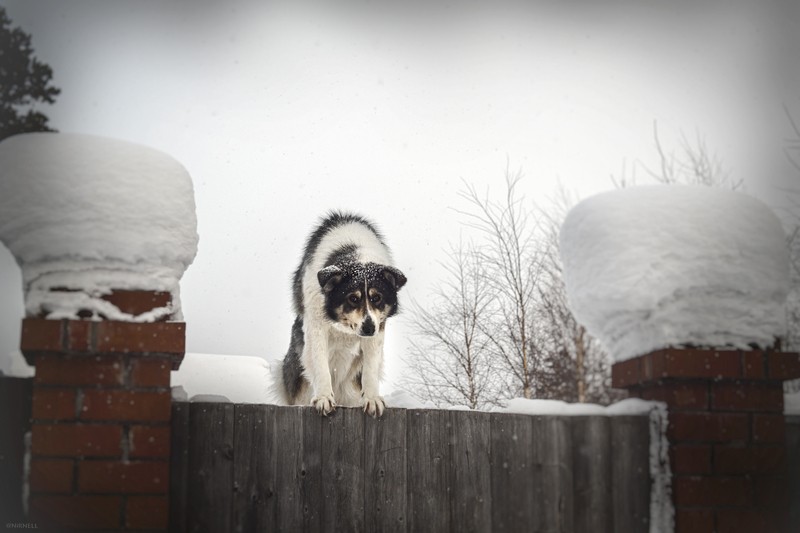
(745, 520)
(678, 395)
(138, 302)
(79, 335)
(76, 512)
(141, 337)
(106, 370)
(52, 475)
(754, 365)
(700, 491)
(150, 372)
(626, 373)
(692, 363)
(53, 404)
(75, 440)
(769, 428)
(149, 441)
(99, 404)
(147, 512)
(694, 520)
(772, 493)
(40, 335)
(783, 365)
(749, 460)
(126, 478)
(709, 427)
(747, 396)
(690, 459)
(770, 459)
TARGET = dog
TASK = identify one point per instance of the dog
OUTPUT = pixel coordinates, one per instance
(344, 290)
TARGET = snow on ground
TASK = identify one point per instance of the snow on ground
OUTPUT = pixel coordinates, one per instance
(233, 378)
(657, 266)
(553, 408)
(14, 365)
(791, 403)
(92, 214)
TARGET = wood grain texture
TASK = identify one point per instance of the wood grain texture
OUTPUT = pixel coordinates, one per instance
(385, 472)
(553, 482)
(210, 475)
(429, 452)
(179, 467)
(470, 474)
(591, 470)
(512, 489)
(270, 468)
(343, 471)
(255, 457)
(630, 472)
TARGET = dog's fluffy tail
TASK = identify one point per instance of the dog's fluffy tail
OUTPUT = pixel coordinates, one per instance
(276, 391)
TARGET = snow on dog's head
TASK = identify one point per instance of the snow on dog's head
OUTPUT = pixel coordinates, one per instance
(359, 297)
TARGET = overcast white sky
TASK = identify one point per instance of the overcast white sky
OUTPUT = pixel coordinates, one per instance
(281, 111)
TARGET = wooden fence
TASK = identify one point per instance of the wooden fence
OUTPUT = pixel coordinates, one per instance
(15, 422)
(268, 468)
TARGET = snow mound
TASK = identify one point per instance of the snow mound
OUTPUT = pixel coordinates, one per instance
(524, 406)
(402, 399)
(658, 266)
(14, 365)
(791, 403)
(92, 214)
(229, 378)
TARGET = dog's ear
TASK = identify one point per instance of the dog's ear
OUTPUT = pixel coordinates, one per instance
(395, 278)
(329, 277)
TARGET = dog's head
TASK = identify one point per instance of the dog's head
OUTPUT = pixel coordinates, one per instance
(359, 297)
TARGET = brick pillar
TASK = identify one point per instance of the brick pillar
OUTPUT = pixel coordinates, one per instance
(726, 433)
(101, 418)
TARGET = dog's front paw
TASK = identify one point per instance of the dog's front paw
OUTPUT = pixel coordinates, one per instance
(324, 404)
(373, 406)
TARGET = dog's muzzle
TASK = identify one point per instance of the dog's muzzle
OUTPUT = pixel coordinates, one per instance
(367, 327)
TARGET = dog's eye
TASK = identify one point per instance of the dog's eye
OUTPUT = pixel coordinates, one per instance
(354, 298)
(375, 299)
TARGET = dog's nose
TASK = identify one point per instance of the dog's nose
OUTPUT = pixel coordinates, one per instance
(368, 327)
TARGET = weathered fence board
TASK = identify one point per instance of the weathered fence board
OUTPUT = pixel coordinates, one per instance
(210, 476)
(343, 471)
(793, 460)
(311, 479)
(512, 473)
(179, 468)
(15, 421)
(428, 474)
(552, 461)
(268, 468)
(591, 473)
(254, 468)
(470, 503)
(385, 472)
(288, 469)
(630, 472)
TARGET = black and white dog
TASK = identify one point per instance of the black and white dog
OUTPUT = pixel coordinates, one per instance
(344, 290)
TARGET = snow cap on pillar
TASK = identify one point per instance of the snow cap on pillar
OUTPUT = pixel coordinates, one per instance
(652, 267)
(85, 215)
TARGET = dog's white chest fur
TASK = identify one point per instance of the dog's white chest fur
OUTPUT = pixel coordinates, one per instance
(344, 361)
